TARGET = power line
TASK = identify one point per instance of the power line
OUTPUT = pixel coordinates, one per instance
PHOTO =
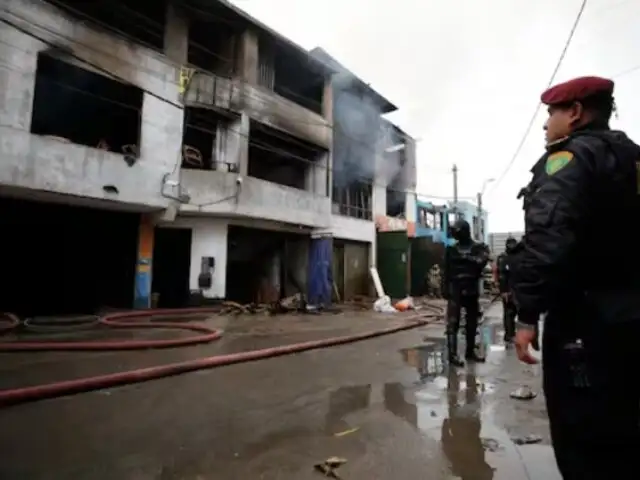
(535, 113)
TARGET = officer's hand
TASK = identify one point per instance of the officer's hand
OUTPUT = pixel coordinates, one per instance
(524, 338)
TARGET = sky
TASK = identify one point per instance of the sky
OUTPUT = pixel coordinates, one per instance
(467, 76)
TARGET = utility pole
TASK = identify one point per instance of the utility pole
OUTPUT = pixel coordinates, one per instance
(454, 170)
(479, 218)
(480, 227)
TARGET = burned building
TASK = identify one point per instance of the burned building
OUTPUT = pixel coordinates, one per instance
(181, 149)
(373, 178)
(179, 146)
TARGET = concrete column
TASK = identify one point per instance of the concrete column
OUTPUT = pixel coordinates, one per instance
(142, 288)
(176, 37)
(161, 134)
(235, 148)
(17, 80)
(410, 167)
(209, 239)
(327, 101)
(248, 56)
(318, 175)
(379, 200)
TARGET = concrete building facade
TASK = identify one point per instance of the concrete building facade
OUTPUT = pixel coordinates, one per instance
(214, 132)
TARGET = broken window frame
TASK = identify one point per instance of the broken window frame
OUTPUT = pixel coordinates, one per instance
(355, 200)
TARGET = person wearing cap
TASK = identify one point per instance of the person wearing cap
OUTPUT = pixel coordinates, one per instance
(587, 180)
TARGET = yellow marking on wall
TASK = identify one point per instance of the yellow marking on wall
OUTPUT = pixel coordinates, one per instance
(186, 74)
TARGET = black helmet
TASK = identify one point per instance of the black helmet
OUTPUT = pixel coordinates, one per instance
(461, 230)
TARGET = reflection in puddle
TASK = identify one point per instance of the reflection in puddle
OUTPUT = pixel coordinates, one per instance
(428, 359)
(461, 441)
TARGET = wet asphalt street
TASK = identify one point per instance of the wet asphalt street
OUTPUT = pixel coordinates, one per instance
(388, 406)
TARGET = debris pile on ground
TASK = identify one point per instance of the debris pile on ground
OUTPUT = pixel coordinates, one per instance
(383, 305)
(329, 466)
(523, 393)
(526, 439)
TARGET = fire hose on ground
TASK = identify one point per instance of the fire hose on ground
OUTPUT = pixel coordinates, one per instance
(126, 320)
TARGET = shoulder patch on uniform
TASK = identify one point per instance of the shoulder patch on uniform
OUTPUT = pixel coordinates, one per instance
(557, 161)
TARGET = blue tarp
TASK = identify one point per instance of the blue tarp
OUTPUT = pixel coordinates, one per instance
(320, 279)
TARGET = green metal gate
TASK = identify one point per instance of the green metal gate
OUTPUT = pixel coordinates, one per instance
(393, 262)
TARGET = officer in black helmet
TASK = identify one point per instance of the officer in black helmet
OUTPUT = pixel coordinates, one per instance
(463, 266)
(504, 284)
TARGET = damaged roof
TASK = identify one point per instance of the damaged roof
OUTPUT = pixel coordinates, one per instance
(396, 128)
(385, 105)
(223, 10)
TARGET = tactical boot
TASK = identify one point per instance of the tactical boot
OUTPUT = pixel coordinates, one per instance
(452, 347)
(472, 356)
(470, 353)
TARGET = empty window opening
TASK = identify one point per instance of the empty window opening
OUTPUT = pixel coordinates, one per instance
(79, 106)
(279, 158)
(212, 46)
(453, 217)
(291, 75)
(203, 139)
(396, 201)
(431, 218)
(142, 22)
(395, 169)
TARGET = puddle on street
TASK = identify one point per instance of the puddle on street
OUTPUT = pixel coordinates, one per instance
(455, 406)
(450, 412)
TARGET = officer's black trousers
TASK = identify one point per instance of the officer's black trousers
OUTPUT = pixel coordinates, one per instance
(509, 313)
(471, 306)
(595, 429)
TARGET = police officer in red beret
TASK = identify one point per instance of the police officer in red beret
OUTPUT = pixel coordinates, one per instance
(570, 267)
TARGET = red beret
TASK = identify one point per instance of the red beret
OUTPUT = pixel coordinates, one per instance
(576, 90)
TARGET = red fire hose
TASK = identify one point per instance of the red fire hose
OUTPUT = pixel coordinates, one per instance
(122, 320)
(119, 320)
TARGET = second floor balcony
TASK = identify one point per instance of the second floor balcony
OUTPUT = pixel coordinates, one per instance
(218, 192)
(206, 90)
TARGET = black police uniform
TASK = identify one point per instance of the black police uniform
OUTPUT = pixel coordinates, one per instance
(504, 284)
(567, 266)
(463, 266)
